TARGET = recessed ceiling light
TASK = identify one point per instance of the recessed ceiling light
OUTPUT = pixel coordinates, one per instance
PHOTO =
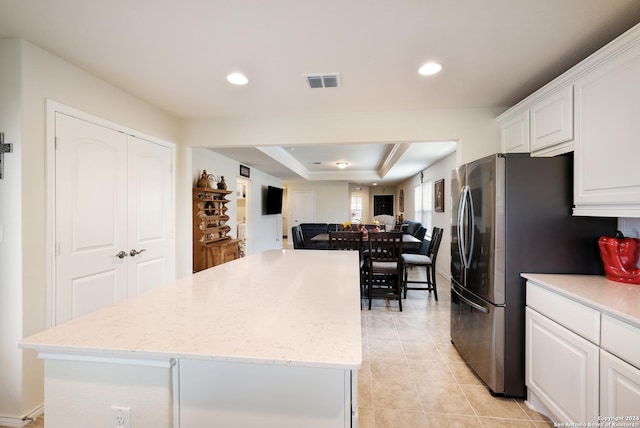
(237, 79)
(342, 165)
(430, 68)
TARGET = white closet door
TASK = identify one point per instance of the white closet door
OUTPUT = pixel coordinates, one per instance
(150, 216)
(114, 198)
(91, 217)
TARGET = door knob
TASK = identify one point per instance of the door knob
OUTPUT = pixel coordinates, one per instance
(121, 255)
(133, 252)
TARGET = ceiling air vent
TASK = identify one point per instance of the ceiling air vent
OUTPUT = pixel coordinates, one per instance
(327, 80)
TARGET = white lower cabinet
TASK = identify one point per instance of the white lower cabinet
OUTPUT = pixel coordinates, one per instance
(619, 387)
(562, 369)
(582, 361)
(245, 395)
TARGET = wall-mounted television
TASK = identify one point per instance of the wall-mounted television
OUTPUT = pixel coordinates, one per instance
(273, 201)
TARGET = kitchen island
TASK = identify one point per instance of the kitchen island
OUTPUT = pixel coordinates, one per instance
(269, 340)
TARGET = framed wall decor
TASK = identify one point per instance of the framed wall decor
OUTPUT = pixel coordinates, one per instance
(438, 193)
(245, 171)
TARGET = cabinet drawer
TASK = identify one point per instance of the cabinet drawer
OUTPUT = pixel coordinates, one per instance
(571, 314)
(621, 339)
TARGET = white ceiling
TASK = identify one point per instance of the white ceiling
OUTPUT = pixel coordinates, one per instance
(176, 54)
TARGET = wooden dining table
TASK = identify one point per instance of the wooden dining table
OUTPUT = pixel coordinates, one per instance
(408, 241)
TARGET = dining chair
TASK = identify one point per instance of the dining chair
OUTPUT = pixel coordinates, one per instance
(345, 240)
(384, 267)
(296, 235)
(425, 258)
(349, 241)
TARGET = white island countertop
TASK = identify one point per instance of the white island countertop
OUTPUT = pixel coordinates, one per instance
(616, 298)
(281, 307)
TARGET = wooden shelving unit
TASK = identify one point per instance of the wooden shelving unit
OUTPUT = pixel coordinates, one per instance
(211, 245)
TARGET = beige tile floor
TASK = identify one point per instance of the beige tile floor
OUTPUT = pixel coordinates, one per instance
(413, 377)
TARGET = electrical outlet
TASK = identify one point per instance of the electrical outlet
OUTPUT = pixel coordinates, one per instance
(120, 417)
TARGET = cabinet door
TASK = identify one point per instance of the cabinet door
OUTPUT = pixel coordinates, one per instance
(561, 369)
(606, 136)
(552, 123)
(514, 132)
(619, 387)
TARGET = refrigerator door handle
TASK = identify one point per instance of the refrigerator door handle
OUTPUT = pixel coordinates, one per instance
(460, 225)
(469, 302)
(472, 227)
(465, 233)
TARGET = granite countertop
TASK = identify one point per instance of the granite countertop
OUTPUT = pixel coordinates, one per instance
(282, 307)
(615, 298)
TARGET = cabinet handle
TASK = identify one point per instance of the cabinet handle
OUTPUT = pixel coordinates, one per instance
(121, 255)
(133, 252)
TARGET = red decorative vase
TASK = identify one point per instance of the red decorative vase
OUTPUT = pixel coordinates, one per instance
(620, 257)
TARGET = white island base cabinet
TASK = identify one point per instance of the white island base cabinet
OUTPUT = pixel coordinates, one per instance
(267, 396)
(179, 393)
(81, 390)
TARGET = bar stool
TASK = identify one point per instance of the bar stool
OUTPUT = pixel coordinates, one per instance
(426, 258)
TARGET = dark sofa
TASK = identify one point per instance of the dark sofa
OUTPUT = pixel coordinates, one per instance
(414, 228)
(309, 230)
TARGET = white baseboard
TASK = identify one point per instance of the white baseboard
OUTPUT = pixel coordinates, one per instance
(20, 422)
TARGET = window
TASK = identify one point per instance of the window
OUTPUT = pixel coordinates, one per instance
(424, 204)
(356, 209)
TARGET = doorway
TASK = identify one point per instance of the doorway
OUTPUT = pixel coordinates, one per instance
(382, 204)
(304, 207)
(242, 212)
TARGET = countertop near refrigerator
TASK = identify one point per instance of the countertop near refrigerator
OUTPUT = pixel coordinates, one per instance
(616, 298)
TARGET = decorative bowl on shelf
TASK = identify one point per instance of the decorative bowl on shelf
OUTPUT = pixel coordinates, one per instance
(620, 257)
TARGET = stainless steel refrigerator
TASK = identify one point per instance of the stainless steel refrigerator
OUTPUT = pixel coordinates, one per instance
(511, 214)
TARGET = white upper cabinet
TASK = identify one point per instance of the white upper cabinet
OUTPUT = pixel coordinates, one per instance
(514, 131)
(542, 124)
(594, 110)
(607, 152)
(552, 123)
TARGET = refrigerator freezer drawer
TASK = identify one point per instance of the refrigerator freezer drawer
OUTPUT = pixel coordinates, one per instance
(477, 331)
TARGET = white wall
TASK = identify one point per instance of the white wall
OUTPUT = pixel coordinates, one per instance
(475, 130)
(437, 171)
(11, 388)
(332, 200)
(264, 232)
(31, 75)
